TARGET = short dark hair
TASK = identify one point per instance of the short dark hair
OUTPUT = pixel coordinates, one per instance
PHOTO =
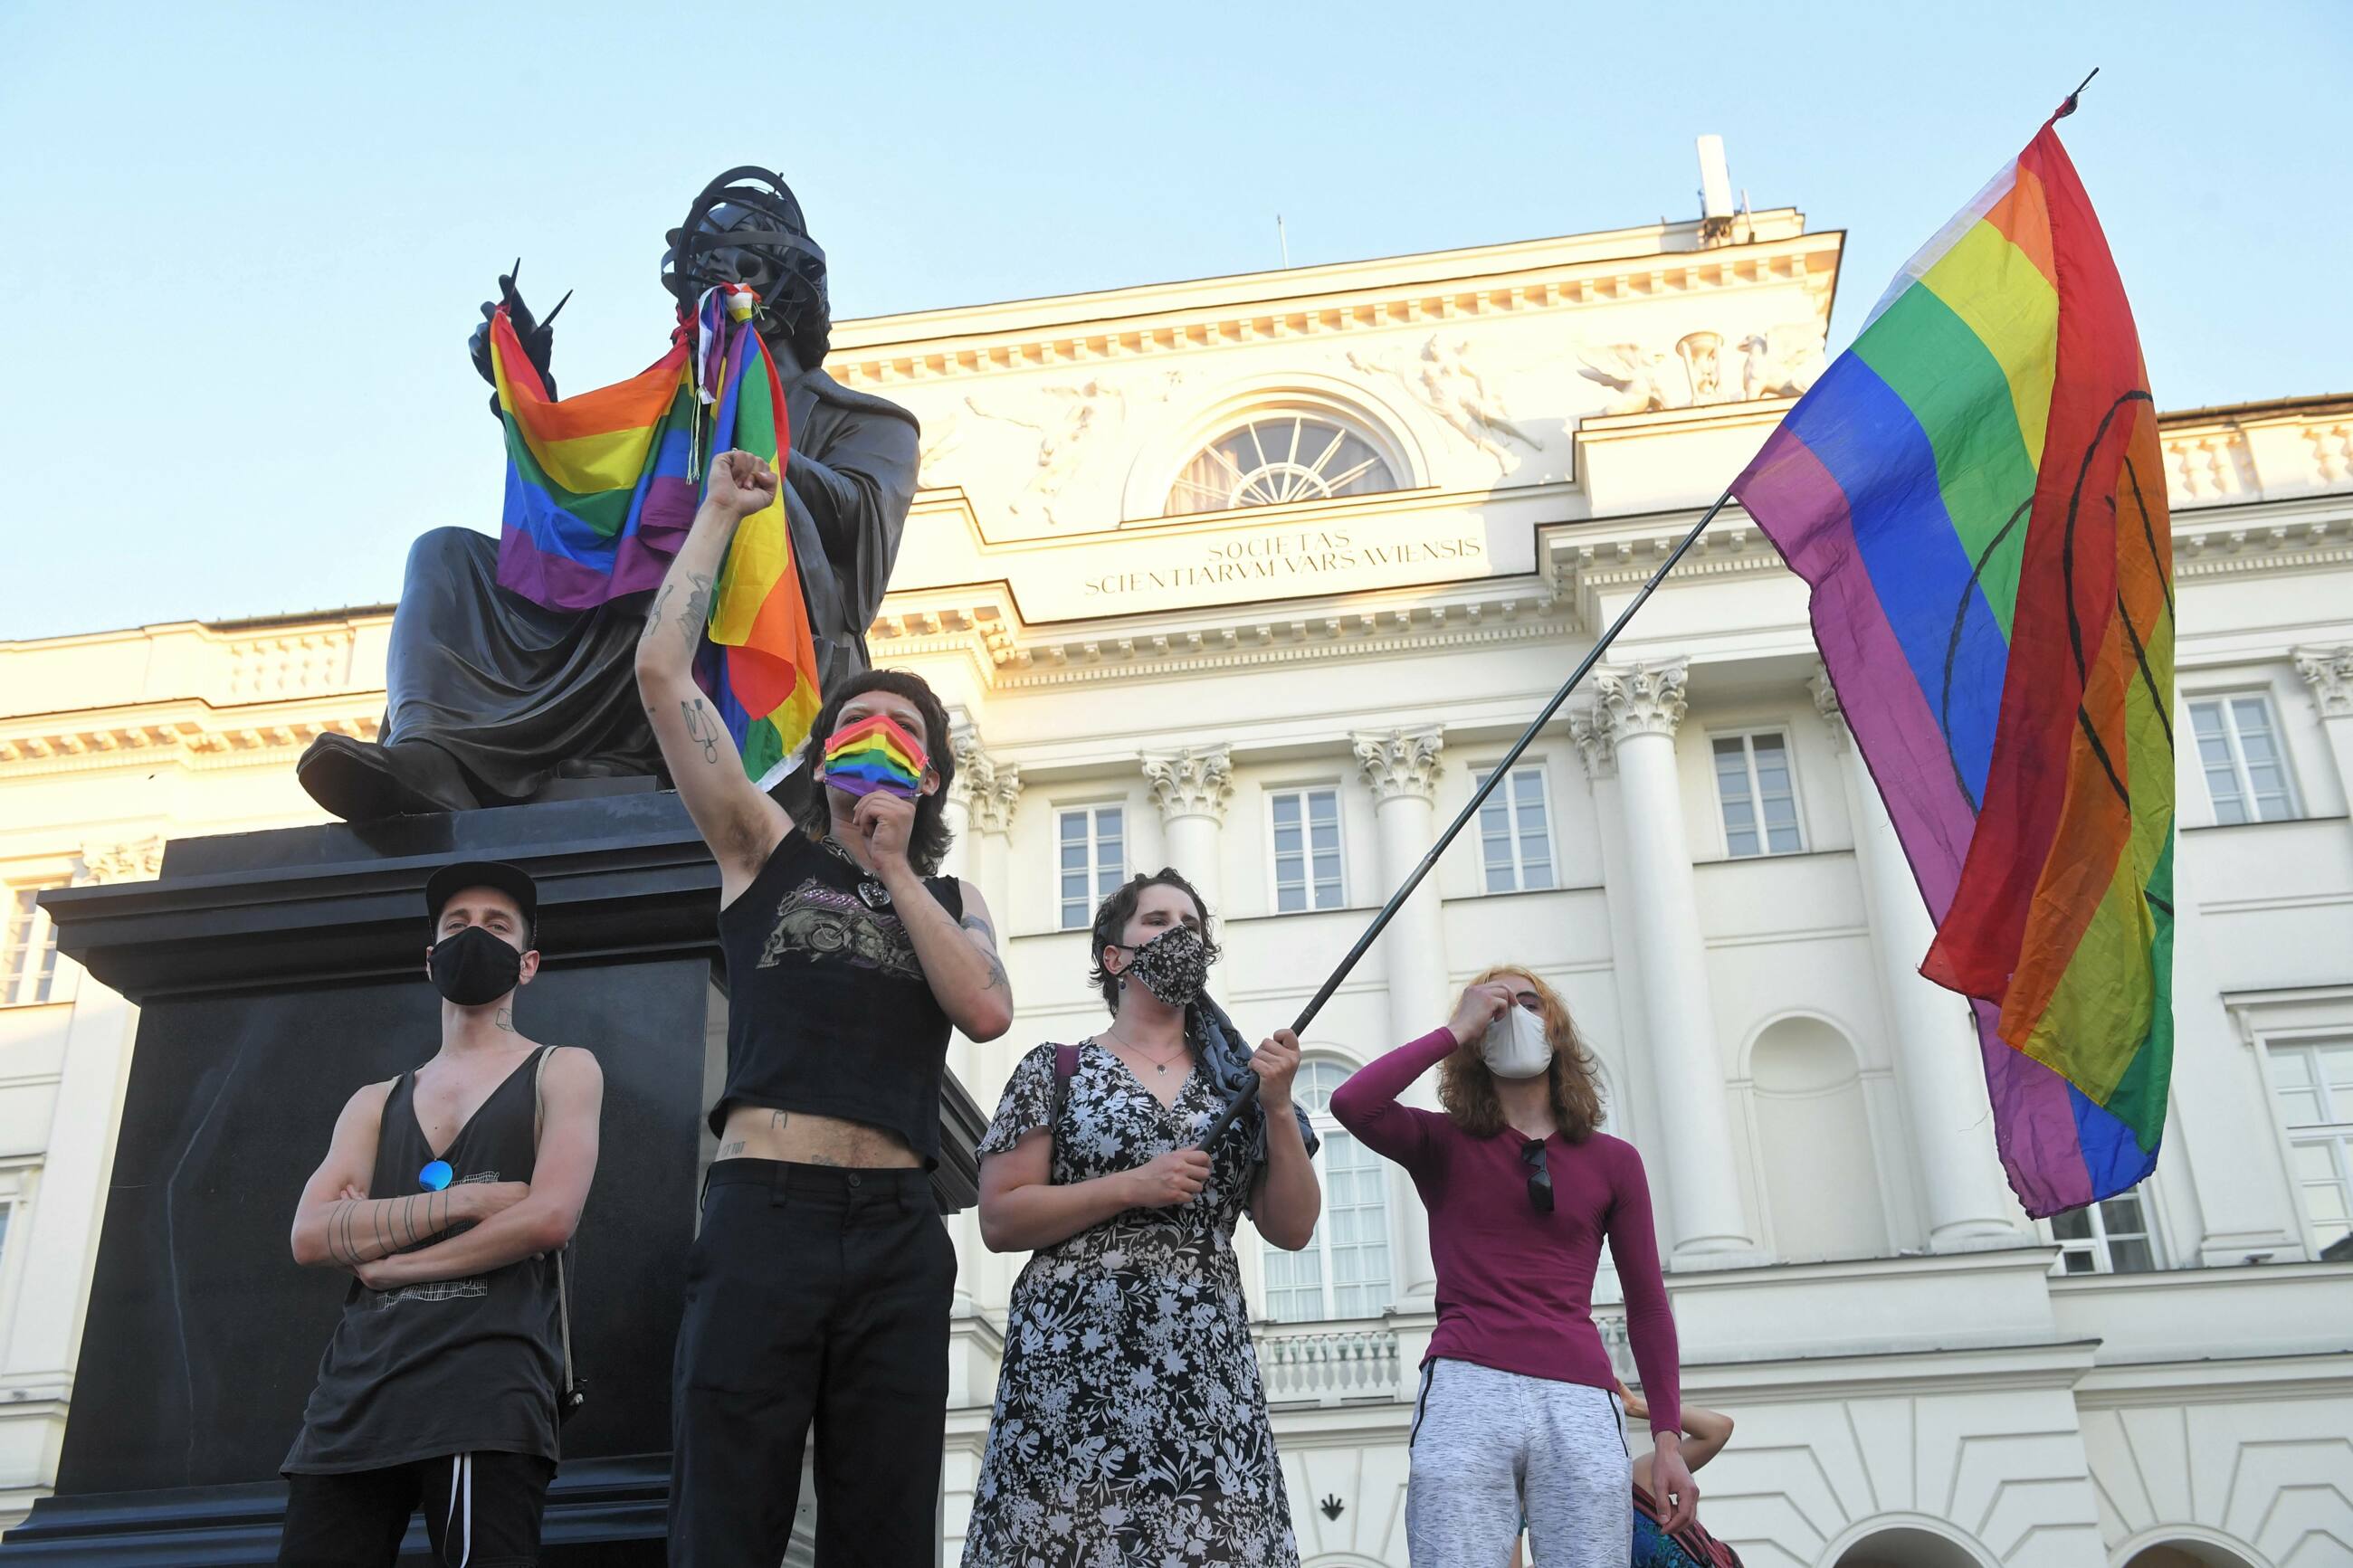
(802, 794)
(1113, 913)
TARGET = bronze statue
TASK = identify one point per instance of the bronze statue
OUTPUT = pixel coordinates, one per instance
(491, 698)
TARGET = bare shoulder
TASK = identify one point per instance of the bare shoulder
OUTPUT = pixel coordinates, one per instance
(368, 1099)
(573, 1067)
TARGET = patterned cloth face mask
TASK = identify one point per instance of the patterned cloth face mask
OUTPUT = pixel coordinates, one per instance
(875, 753)
(1173, 965)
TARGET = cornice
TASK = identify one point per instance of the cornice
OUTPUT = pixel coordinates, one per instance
(1134, 327)
(187, 735)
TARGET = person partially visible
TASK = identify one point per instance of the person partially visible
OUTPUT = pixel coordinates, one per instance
(1705, 1432)
(1517, 1416)
(447, 1193)
(1130, 1424)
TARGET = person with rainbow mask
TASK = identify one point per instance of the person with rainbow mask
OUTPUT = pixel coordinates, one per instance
(817, 1287)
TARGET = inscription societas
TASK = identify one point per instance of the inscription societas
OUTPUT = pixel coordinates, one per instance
(1290, 561)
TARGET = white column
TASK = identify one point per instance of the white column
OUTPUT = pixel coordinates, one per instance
(972, 763)
(2330, 672)
(1191, 787)
(1938, 1070)
(1401, 768)
(1641, 708)
(981, 803)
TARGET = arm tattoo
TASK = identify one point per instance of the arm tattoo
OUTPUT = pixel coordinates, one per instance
(654, 612)
(729, 1150)
(697, 609)
(997, 980)
(701, 727)
(979, 924)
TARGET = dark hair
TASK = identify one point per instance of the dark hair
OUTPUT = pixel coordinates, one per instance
(802, 797)
(1113, 913)
(1466, 1088)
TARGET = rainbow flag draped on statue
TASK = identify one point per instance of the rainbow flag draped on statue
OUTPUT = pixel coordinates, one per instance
(601, 488)
(1975, 493)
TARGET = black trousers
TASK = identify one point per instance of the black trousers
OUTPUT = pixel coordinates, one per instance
(482, 1509)
(812, 1293)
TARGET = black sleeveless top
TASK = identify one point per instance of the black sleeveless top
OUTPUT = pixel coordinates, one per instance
(458, 1366)
(828, 1009)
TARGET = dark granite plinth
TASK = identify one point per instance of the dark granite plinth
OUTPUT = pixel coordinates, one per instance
(277, 972)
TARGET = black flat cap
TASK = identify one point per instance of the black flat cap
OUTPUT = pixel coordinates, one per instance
(450, 881)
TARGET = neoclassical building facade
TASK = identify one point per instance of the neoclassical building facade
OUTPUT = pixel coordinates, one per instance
(1258, 577)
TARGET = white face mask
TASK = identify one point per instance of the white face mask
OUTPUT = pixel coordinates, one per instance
(1514, 1045)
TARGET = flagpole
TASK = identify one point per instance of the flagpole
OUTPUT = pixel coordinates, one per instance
(1469, 809)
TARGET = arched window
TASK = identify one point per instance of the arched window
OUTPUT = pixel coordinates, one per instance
(1344, 1272)
(1279, 456)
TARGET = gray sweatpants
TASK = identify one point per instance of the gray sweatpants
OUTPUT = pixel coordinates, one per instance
(1491, 1448)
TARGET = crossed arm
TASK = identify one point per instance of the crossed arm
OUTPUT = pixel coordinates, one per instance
(503, 1222)
(335, 1226)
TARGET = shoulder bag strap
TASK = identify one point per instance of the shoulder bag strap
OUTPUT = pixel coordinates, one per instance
(563, 1287)
(1066, 1067)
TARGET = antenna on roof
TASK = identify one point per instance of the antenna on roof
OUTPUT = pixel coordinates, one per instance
(1283, 242)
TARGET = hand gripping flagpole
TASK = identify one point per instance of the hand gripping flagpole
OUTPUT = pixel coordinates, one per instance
(1241, 1102)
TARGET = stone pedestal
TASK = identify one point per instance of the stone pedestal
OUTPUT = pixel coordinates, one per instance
(275, 973)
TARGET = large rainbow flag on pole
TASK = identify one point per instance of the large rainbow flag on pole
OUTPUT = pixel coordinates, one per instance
(1975, 493)
(601, 488)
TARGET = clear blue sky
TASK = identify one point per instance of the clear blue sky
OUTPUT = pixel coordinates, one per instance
(241, 246)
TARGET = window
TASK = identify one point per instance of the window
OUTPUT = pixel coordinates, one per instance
(1279, 457)
(1344, 1272)
(2107, 1237)
(2314, 1081)
(1306, 849)
(1759, 799)
(2238, 745)
(28, 951)
(1094, 859)
(1515, 839)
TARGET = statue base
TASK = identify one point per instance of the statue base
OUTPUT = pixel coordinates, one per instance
(277, 972)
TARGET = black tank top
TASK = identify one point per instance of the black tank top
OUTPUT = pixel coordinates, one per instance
(828, 1009)
(459, 1366)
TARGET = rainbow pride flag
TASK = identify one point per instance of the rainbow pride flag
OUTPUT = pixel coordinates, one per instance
(601, 488)
(1975, 493)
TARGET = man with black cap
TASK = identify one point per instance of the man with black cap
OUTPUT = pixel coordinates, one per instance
(450, 1193)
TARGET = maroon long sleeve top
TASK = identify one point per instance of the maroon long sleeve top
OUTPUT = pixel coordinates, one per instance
(1516, 1284)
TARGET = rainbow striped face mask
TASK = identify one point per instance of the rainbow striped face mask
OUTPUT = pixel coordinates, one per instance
(875, 753)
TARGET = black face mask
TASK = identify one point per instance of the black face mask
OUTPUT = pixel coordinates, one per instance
(474, 967)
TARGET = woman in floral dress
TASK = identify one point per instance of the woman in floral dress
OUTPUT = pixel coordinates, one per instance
(1130, 1423)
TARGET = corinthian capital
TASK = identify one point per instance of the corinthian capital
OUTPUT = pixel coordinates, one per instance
(130, 861)
(1647, 700)
(986, 789)
(1826, 704)
(2330, 672)
(1590, 730)
(1399, 763)
(1195, 781)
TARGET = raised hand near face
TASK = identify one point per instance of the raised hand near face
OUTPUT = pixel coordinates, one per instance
(1481, 1006)
(885, 823)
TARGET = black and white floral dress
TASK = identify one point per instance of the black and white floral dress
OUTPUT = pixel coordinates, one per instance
(1130, 1422)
